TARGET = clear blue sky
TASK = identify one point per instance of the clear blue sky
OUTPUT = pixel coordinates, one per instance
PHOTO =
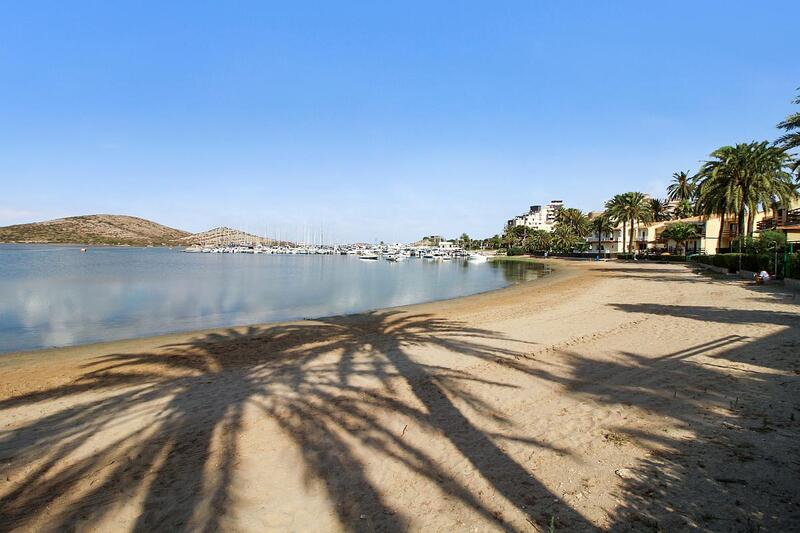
(380, 121)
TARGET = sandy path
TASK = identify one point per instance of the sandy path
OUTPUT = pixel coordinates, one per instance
(605, 397)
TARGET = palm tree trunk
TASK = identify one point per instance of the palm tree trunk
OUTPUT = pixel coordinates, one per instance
(740, 220)
(630, 244)
(721, 228)
(624, 232)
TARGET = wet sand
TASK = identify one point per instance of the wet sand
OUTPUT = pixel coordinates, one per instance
(621, 397)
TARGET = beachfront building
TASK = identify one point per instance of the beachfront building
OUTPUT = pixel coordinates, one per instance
(714, 233)
(786, 220)
(538, 217)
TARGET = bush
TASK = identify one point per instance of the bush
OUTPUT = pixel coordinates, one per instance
(728, 261)
(757, 263)
(516, 250)
(654, 257)
(751, 262)
(793, 266)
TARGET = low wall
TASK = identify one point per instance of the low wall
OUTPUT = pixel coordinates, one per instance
(792, 283)
(746, 274)
(718, 270)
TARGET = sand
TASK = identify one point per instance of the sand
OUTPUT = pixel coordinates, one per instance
(618, 397)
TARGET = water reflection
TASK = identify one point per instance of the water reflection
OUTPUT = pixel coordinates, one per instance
(56, 296)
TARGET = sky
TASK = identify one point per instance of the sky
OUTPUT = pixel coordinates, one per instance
(369, 121)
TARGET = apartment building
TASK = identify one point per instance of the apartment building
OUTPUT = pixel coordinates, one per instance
(538, 216)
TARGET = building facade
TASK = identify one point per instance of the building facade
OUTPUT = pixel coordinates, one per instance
(714, 233)
(538, 217)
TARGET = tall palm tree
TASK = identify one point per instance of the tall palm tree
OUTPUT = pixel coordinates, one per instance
(616, 212)
(713, 199)
(745, 177)
(629, 208)
(574, 219)
(681, 233)
(791, 139)
(659, 209)
(538, 240)
(600, 224)
(681, 187)
(563, 239)
(684, 209)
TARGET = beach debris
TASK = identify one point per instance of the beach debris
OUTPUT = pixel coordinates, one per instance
(616, 438)
(627, 473)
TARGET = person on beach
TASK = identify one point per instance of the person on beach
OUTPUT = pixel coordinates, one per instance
(762, 277)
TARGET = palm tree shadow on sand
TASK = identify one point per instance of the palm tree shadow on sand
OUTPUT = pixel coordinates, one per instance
(325, 383)
(737, 396)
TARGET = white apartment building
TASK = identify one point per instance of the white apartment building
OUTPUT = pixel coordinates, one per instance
(538, 217)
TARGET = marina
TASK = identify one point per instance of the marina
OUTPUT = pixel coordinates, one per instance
(52, 296)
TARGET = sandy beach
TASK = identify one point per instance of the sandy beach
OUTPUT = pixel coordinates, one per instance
(606, 396)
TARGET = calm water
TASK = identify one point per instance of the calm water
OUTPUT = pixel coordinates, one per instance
(57, 296)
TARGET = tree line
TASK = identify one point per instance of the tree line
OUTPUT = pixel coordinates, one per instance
(736, 181)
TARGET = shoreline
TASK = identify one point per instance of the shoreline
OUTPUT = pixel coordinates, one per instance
(605, 396)
(185, 334)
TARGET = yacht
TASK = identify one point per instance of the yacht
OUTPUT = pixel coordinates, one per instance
(477, 258)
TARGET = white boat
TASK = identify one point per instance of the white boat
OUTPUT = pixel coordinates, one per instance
(477, 258)
(395, 257)
(369, 257)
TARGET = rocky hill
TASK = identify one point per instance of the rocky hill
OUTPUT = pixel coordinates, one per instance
(93, 229)
(220, 236)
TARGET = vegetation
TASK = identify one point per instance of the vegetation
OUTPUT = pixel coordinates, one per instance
(791, 139)
(681, 233)
(681, 188)
(739, 179)
(602, 224)
(573, 221)
(659, 210)
(537, 241)
(630, 209)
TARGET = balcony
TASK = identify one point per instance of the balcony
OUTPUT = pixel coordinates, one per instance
(790, 218)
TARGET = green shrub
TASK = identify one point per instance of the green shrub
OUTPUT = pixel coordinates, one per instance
(516, 250)
(757, 263)
(727, 261)
(793, 266)
(751, 262)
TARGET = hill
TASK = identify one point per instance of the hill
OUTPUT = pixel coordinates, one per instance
(93, 229)
(223, 235)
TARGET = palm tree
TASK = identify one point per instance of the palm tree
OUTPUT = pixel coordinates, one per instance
(563, 239)
(681, 187)
(574, 219)
(659, 209)
(684, 209)
(600, 224)
(791, 139)
(538, 240)
(743, 177)
(681, 233)
(616, 212)
(629, 208)
(713, 200)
